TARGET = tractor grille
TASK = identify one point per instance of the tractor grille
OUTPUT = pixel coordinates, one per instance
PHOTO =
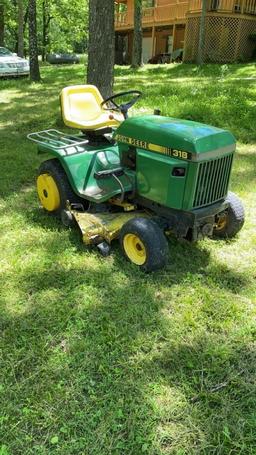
(212, 180)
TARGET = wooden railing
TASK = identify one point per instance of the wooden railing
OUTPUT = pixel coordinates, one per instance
(225, 6)
(120, 19)
(148, 15)
(174, 11)
(178, 10)
(124, 19)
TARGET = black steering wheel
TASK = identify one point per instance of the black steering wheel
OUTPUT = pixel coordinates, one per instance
(123, 108)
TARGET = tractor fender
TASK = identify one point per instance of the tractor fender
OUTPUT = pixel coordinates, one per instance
(53, 153)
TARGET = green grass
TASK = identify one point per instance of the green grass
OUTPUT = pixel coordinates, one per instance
(96, 357)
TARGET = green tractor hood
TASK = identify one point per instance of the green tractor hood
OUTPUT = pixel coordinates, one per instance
(167, 135)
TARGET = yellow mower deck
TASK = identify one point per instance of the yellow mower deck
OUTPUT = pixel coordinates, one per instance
(97, 227)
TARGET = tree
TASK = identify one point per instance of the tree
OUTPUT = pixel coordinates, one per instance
(200, 54)
(20, 28)
(137, 35)
(101, 51)
(1, 23)
(67, 29)
(46, 18)
(33, 50)
(59, 26)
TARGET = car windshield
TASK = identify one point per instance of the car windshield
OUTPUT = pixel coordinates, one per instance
(4, 52)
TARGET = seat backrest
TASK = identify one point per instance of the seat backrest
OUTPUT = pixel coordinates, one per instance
(80, 103)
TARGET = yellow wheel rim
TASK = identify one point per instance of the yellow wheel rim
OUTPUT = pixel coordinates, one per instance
(48, 192)
(221, 223)
(134, 249)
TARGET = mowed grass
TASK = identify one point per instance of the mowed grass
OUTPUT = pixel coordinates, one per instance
(98, 358)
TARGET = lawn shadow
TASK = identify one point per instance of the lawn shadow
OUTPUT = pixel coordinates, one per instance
(78, 344)
(211, 375)
(90, 344)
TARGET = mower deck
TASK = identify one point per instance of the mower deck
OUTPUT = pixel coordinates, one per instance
(105, 226)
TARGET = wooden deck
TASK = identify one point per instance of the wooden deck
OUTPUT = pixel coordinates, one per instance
(225, 6)
(177, 12)
(168, 14)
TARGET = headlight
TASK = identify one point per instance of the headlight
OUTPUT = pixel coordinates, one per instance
(3, 65)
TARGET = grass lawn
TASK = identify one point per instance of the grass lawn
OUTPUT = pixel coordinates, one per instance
(96, 357)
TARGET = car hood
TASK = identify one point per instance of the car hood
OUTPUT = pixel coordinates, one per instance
(10, 59)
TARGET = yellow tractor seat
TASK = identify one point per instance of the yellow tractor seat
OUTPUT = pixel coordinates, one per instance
(81, 108)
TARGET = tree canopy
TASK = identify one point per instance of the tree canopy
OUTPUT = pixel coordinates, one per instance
(62, 23)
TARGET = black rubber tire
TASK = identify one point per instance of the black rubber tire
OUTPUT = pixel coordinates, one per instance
(153, 239)
(235, 218)
(56, 171)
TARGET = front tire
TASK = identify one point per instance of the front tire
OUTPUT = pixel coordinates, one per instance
(53, 187)
(144, 244)
(230, 222)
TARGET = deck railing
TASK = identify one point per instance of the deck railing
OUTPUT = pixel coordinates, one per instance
(224, 6)
(120, 19)
(174, 11)
(178, 10)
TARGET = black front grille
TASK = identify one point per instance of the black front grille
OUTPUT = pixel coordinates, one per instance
(212, 180)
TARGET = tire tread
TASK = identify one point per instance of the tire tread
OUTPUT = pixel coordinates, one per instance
(153, 238)
(55, 169)
(236, 217)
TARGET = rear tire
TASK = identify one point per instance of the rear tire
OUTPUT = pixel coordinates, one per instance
(53, 187)
(231, 221)
(143, 242)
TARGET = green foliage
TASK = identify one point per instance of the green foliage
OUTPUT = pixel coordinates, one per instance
(121, 7)
(148, 3)
(67, 25)
(11, 28)
(98, 358)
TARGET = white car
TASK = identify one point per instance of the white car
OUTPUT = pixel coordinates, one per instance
(11, 65)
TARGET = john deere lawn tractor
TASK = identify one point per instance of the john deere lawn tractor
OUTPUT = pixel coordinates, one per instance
(137, 179)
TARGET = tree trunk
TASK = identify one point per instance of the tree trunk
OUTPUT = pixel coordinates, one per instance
(25, 19)
(1, 24)
(137, 60)
(44, 31)
(101, 49)
(46, 22)
(20, 28)
(33, 50)
(200, 54)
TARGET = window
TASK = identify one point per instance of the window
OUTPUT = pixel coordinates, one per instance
(4, 52)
